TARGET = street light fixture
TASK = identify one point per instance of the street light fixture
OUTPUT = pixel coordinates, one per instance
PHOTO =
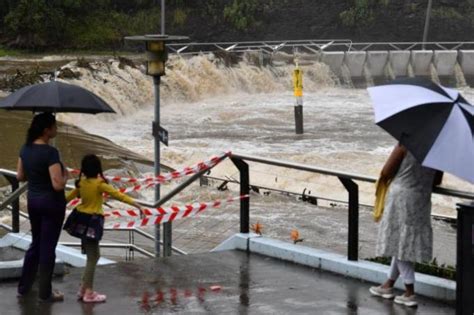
(156, 57)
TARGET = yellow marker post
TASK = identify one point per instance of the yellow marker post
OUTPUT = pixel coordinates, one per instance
(298, 82)
(298, 92)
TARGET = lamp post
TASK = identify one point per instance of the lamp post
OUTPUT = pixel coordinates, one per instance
(156, 57)
(162, 16)
(427, 23)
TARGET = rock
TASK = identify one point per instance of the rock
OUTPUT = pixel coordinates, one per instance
(229, 59)
(67, 73)
(126, 62)
(19, 80)
(83, 63)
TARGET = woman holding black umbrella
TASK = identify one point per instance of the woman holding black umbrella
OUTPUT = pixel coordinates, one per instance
(40, 165)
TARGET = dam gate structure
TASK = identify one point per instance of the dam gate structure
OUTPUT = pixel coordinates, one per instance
(357, 64)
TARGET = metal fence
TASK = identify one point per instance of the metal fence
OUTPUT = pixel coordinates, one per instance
(347, 180)
(310, 46)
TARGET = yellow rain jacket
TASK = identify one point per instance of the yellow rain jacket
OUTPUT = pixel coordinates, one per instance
(90, 191)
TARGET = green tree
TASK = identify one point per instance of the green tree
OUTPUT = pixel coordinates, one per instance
(242, 13)
(35, 23)
(362, 14)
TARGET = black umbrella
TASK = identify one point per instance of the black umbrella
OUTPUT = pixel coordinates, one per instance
(435, 123)
(55, 97)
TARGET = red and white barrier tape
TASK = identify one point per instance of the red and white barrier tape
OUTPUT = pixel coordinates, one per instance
(169, 176)
(161, 215)
(150, 182)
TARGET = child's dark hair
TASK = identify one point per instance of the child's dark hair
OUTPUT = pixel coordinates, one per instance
(91, 167)
(39, 123)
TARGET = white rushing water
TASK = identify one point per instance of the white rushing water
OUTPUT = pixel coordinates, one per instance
(208, 108)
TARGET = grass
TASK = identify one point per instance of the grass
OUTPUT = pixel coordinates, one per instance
(7, 52)
(4, 52)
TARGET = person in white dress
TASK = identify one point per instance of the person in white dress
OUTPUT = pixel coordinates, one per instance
(405, 233)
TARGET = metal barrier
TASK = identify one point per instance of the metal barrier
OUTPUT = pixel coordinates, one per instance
(347, 180)
(311, 46)
(465, 260)
(12, 203)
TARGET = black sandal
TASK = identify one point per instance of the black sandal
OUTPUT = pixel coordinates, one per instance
(56, 296)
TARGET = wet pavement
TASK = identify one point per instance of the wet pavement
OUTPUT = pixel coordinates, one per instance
(215, 283)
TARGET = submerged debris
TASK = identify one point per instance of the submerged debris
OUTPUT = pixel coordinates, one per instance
(20, 79)
(126, 62)
(67, 73)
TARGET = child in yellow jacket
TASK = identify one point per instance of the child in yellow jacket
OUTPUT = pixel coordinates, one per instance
(87, 219)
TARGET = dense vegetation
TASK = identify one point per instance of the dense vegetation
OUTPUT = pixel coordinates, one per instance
(102, 24)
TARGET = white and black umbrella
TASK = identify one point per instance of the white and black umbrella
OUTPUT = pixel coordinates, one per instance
(435, 123)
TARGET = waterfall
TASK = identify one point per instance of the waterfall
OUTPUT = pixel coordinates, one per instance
(368, 76)
(192, 79)
(459, 75)
(346, 76)
(411, 71)
(389, 73)
(434, 74)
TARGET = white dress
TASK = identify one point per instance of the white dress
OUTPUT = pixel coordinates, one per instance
(405, 229)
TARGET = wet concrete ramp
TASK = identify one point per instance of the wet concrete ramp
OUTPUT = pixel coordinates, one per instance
(230, 282)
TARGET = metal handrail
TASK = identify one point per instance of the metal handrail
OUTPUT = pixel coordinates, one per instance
(311, 46)
(297, 166)
(147, 236)
(347, 180)
(113, 245)
(24, 187)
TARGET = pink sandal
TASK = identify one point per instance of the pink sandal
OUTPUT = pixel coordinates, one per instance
(94, 297)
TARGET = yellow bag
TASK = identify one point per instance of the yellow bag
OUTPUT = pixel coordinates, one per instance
(381, 188)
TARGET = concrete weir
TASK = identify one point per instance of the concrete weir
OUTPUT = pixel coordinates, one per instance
(355, 61)
(421, 62)
(466, 61)
(382, 66)
(334, 60)
(399, 61)
(376, 62)
(444, 61)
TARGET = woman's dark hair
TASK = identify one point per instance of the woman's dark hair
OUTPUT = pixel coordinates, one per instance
(38, 125)
(91, 167)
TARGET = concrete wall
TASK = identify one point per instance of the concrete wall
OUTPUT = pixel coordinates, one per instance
(444, 61)
(376, 62)
(426, 285)
(421, 61)
(466, 60)
(334, 60)
(355, 61)
(399, 61)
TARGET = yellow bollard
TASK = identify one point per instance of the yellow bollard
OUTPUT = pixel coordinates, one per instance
(298, 92)
(298, 82)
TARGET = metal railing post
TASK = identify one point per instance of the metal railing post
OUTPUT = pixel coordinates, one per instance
(15, 205)
(465, 260)
(244, 190)
(353, 242)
